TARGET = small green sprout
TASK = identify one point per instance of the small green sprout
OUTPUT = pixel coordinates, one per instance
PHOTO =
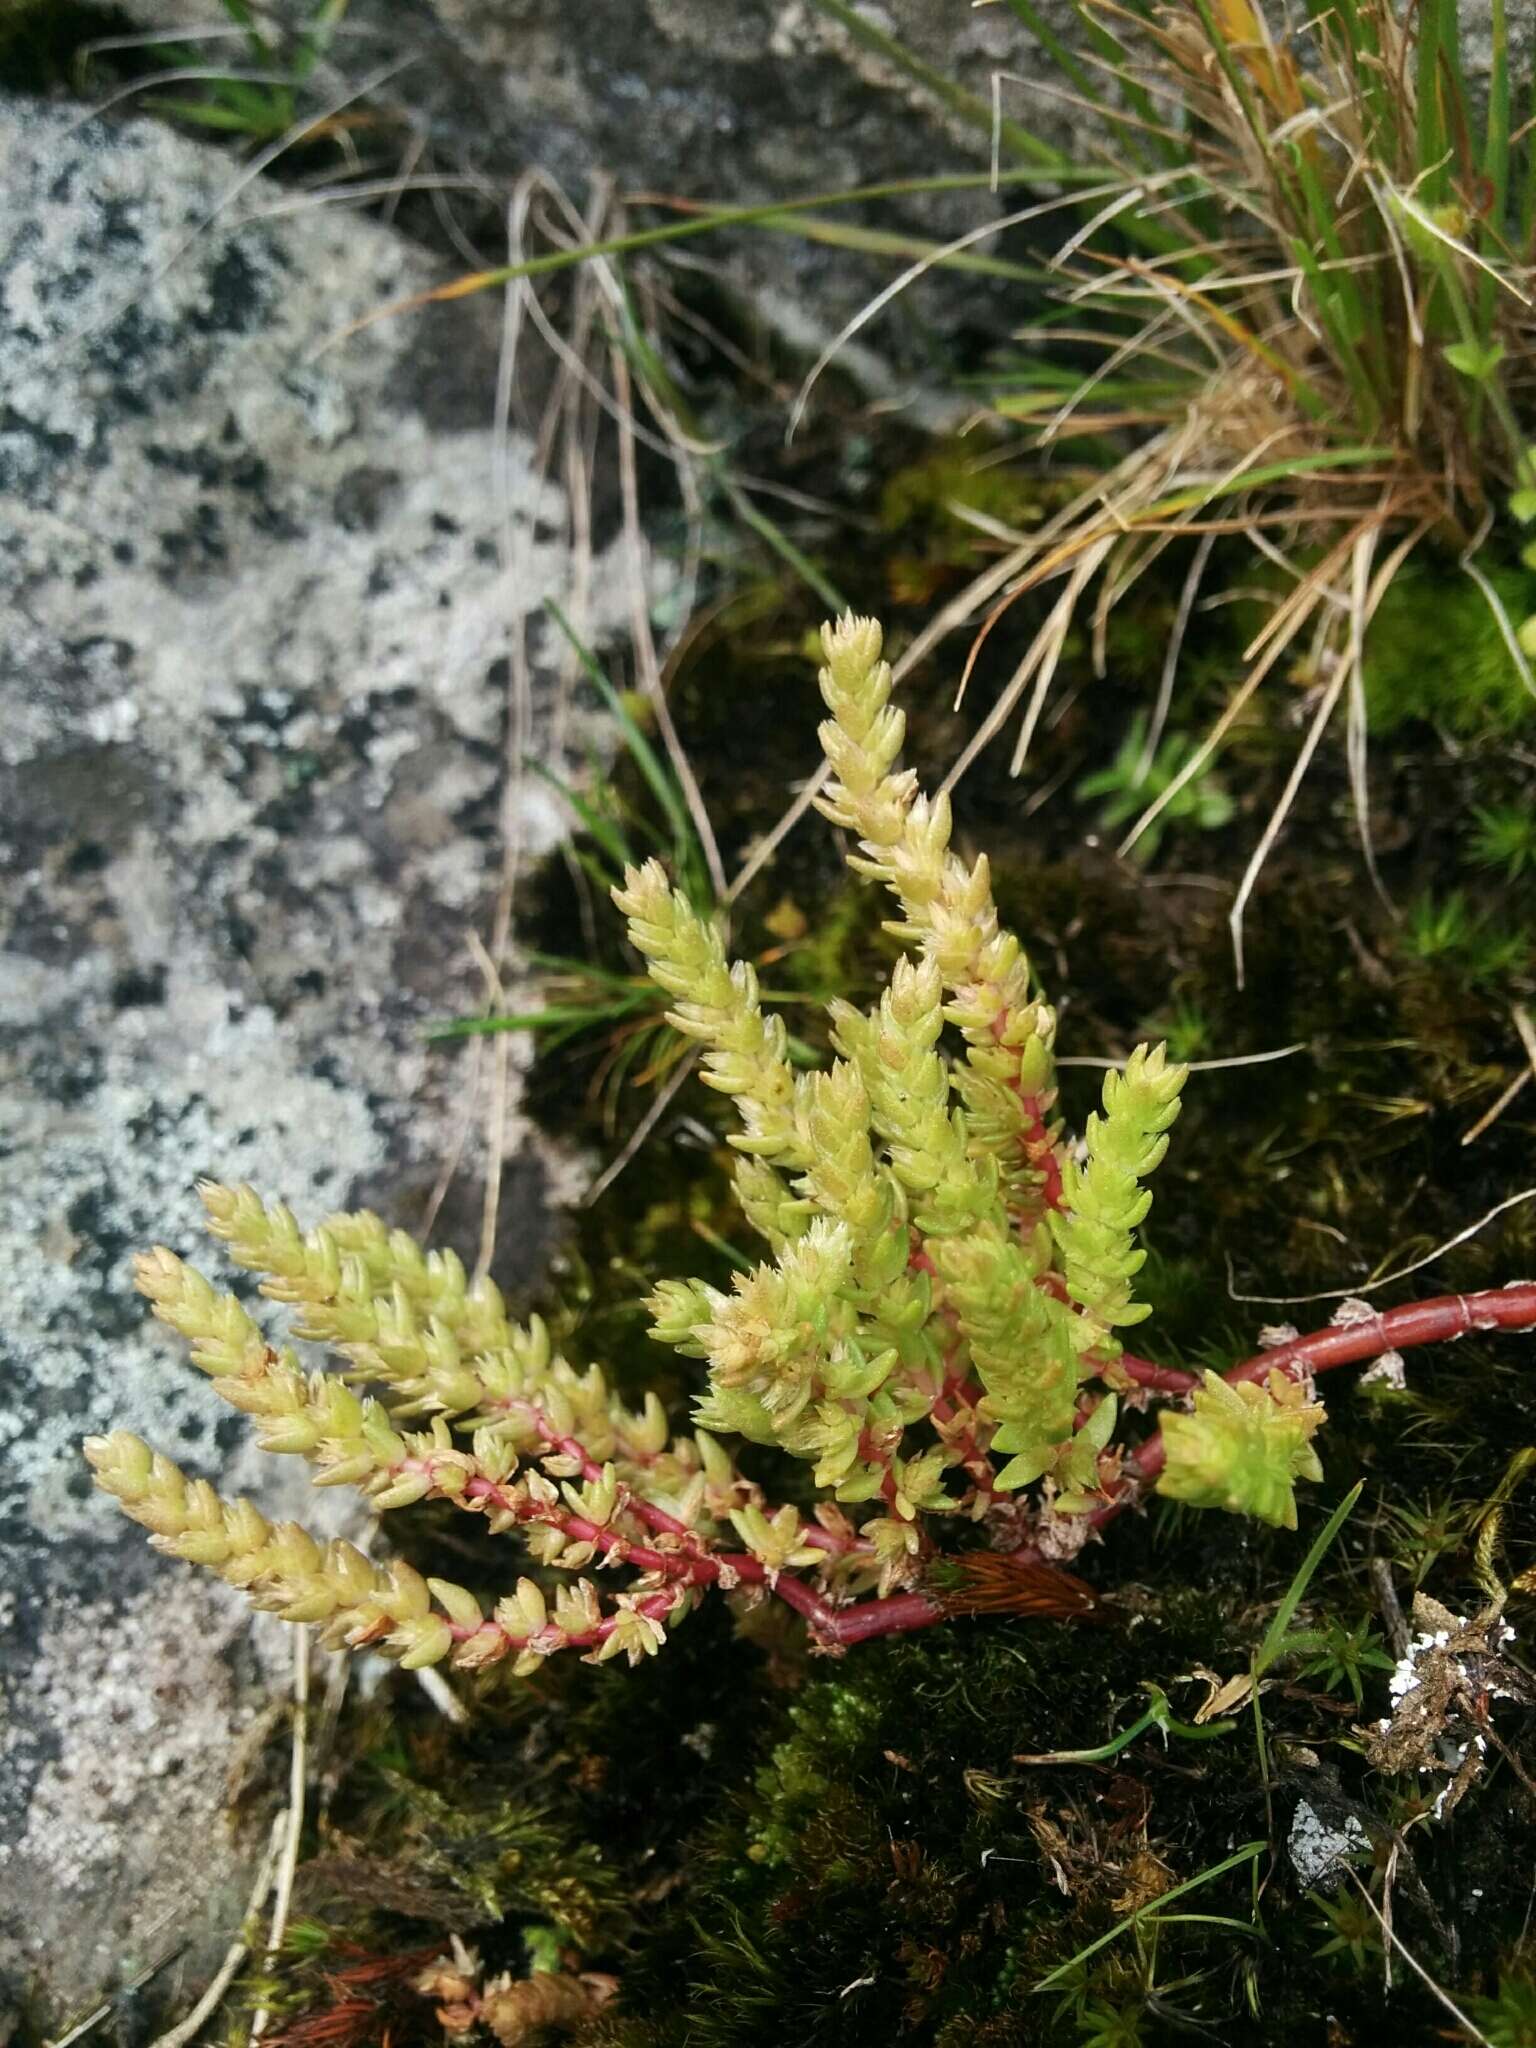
(1353, 1930)
(1101, 2025)
(1341, 1656)
(1421, 1536)
(1186, 1029)
(1132, 781)
(1505, 837)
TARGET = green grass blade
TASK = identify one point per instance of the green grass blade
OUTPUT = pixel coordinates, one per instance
(1116, 53)
(1232, 72)
(1434, 138)
(1060, 55)
(1247, 1854)
(1495, 159)
(660, 783)
(795, 558)
(1274, 1637)
(711, 219)
(1344, 325)
(909, 248)
(586, 970)
(231, 120)
(1267, 473)
(244, 17)
(316, 39)
(578, 1016)
(650, 367)
(608, 834)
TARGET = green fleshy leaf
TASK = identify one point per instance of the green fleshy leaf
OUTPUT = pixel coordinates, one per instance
(1475, 359)
(1243, 1448)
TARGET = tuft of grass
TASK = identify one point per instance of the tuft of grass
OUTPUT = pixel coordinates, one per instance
(259, 94)
(1328, 352)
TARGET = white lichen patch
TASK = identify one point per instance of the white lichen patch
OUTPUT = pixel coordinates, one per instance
(251, 782)
(1319, 1849)
(1389, 1373)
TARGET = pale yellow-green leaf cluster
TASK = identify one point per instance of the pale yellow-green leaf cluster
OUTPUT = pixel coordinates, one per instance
(935, 1252)
(1006, 1080)
(507, 1430)
(1104, 1201)
(1243, 1448)
(934, 1325)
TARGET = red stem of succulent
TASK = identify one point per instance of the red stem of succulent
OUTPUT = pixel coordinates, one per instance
(1399, 1329)
(899, 1614)
(837, 1628)
(1161, 1379)
(972, 1457)
(1436, 1321)
(1038, 1148)
(1425, 1322)
(656, 1519)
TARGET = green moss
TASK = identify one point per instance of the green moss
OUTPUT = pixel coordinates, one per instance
(1508, 2018)
(1504, 836)
(1435, 651)
(954, 477)
(1474, 944)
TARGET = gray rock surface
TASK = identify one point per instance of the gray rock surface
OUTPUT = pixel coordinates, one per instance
(739, 103)
(251, 757)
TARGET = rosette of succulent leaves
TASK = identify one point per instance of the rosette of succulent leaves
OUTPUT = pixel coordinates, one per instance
(935, 1326)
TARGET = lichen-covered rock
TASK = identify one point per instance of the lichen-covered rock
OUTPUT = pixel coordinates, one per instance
(251, 764)
(738, 104)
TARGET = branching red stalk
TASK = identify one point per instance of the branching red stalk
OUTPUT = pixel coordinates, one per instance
(1040, 1152)
(973, 1458)
(1437, 1321)
(1398, 1329)
(837, 1628)
(656, 1607)
(1426, 1322)
(655, 1519)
